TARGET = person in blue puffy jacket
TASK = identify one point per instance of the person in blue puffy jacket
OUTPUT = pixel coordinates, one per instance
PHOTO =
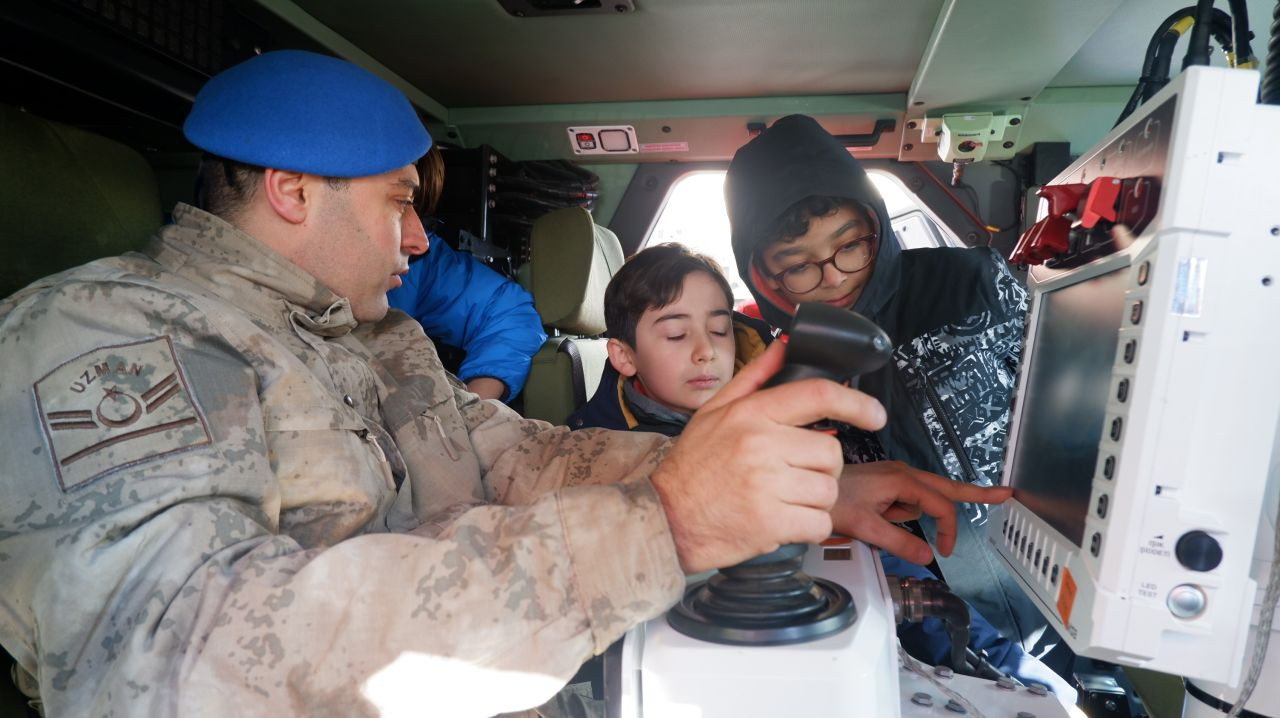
(462, 303)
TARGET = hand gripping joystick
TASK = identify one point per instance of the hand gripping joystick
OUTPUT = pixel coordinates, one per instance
(768, 600)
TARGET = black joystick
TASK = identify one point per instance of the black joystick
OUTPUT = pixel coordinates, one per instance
(768, 600)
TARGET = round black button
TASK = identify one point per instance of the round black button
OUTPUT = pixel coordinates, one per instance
(1135, 314)
(1198, 551)
(1144, 271)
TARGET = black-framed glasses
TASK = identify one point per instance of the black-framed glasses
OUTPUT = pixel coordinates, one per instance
(852, 256)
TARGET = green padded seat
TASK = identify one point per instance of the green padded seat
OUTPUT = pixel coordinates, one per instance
(66, 197)
(571, 262)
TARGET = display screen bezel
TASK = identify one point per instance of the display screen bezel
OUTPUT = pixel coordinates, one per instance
(1042, 282)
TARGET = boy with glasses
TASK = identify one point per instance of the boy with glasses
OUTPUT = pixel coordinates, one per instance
(808, 226)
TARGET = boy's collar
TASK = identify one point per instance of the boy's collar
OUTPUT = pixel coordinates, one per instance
(645, 407)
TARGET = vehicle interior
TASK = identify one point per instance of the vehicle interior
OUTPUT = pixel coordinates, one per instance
(630, 109)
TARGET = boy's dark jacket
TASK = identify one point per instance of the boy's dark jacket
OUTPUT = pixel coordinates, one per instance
(955, 315)
(927, 641)
(609, 408)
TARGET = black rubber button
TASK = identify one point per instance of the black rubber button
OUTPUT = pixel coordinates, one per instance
(1198, 551)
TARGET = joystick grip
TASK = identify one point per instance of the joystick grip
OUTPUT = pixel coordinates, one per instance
(831, 343)
(770, 600)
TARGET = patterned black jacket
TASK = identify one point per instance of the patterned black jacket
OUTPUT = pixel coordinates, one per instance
(955, 315)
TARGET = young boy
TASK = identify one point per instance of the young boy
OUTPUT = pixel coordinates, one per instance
(673, 343)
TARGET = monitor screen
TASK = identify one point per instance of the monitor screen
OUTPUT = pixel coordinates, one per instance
(1063, 399)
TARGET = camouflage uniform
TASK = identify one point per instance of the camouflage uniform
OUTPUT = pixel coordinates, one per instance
(221, 496)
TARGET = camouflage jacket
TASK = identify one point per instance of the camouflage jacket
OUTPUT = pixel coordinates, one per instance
(220, 496)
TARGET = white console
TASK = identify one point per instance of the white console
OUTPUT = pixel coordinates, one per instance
(853, 672)
(1147, 399)
(856, 672)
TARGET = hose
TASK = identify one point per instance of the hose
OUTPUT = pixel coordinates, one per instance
(1198, 47)
(1271, 83)
(916, 599)
(1241, 35)
(1159, 54)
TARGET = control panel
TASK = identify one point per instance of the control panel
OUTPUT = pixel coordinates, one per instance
(1146, 406)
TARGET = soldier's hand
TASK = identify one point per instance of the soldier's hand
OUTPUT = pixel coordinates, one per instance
(876, 494)
(744, 477)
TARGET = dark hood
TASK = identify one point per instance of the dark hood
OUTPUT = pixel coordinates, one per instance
(792, 160)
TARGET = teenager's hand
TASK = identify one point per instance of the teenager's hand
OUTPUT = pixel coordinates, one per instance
(744, 478)
(876, 494)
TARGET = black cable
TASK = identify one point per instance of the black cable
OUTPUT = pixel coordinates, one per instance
(973, 197)
(979, 666)
(1220, 28)
(1159, 53)
(1160, 65)
(1240, 33)
(560, 191)
(1165, 28)
(1271, 83)
(558, 170)
(1198, 47)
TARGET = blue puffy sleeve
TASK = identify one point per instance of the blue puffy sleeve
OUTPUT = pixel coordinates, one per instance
(463, 303)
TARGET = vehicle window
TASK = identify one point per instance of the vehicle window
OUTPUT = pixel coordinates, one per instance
(694, 215)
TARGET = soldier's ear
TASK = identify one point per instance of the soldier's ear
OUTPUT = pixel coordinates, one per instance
(288, 193)
(622, 357)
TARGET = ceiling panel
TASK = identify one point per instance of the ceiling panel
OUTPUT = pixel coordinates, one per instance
(470, 53)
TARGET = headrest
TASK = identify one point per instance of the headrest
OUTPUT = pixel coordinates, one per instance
(571, 262)
(301, 111)
(66, 197)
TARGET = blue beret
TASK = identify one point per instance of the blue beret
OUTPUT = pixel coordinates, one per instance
(301, 111)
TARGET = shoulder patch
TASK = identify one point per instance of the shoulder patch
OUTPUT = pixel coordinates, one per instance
(115, 407)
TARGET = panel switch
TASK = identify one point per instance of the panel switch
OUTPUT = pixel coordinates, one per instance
(1198, 551)
(1186, 601)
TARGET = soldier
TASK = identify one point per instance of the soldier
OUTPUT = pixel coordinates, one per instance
(235, 484)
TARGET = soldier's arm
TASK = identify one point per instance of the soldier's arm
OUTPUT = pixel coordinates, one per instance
(149, 575)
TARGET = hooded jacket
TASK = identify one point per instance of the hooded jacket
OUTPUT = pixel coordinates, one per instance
(955, 315)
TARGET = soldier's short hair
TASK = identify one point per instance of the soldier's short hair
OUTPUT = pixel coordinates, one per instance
(225, 187)
(652, 279)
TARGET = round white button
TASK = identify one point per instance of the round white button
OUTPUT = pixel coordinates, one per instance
(1186, 601)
